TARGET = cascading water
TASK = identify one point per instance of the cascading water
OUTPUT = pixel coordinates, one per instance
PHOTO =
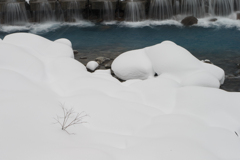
(59, 14)
(160, 9)
(108, 12)
(193, 7)
(73, 12)
(14, 13)
(176, 7)
(221, 7)
(44, 12)
(135, 11)
(237, 5)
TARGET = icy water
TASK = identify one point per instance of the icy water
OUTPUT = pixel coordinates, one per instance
(220, 44)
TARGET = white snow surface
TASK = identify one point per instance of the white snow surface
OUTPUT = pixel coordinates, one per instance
(170, 61)
(170, 117)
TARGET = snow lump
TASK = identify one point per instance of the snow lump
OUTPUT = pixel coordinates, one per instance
(170, 61)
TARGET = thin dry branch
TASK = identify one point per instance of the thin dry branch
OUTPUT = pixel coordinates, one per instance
(67, 114)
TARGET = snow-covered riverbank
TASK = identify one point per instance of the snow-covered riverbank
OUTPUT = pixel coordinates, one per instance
(151, 119)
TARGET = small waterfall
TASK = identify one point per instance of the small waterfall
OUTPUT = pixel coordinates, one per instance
(176, 7)
(108, 12)
(160, 9)
(14, 13)
(44, 12)
(73, 12)
(59, 14)
(135, 11)
(221, 7)
(237, 5)
(193, 7)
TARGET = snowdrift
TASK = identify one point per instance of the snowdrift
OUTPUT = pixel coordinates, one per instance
(181, 114)
(170, 61)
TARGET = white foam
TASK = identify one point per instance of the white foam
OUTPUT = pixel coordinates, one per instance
(80, 23)
(221, 22)
(9, 29)
(109, 22)
(135, 24)
(40, 28)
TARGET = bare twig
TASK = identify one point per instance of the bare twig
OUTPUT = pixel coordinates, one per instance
(67, 113)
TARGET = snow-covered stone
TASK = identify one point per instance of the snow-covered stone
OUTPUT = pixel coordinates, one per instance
(133, 65)
(92, 65)
(170, 61)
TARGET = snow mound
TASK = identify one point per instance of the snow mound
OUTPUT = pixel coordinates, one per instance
(168, 117)
(40, 46)
(64, 41)
(133, 65)
(17, 59)
(170, 61)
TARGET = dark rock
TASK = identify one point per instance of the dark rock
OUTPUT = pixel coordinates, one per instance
(108, 65)
(189, 21)
(230, 76)
(213, 20)
(238, 16)
(231, 84)
(238, 65)
(99, 20)
(112, 73)
(75, 52)
(237, 73)
(101, 60)
(207, 61)
(83, 57)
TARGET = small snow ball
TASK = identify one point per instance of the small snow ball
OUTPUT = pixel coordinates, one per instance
(92, 65)
(64, 41)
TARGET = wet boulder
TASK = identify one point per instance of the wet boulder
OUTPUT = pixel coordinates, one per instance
(108, 65)
(207, 61)
(101, 60)
(238, 65)
(189, 21)
(238, 16)
(75, 52)
(213, 19)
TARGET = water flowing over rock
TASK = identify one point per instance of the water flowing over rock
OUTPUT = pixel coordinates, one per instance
(108, 12)
(221, 7)
(176, 7)
(135, 11)
(44, 12)
(161, 9)
(74, 12)
(15, 13)
(59, 12)
(193, 7)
